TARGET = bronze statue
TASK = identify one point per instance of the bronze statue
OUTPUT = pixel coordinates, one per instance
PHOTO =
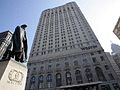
(18, 46)
(20, 43)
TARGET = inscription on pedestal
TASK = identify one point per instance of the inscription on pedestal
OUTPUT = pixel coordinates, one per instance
(15, 77)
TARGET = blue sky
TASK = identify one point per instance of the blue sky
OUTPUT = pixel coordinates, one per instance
(102, 16)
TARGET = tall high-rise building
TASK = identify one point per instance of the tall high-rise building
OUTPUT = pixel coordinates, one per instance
(115, 48)
(65, 51)
(5, 38)
(116, 30)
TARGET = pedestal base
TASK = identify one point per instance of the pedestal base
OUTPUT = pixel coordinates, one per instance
(12, 75)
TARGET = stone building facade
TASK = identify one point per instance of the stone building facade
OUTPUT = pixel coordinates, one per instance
(115, 62)
(116, 58)
(65, 51)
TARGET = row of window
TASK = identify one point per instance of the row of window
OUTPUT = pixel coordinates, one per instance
(76, 64)
(68, 78)
(63, 48)
(64, 43)
(67, 23)
(63, 39)
(60, 11)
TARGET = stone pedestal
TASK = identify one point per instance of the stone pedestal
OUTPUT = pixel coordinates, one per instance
(12, 75)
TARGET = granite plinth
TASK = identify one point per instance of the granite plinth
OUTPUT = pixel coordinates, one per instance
(12, 75)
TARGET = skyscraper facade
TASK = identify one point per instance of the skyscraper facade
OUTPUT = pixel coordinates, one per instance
(115, 48)
(65, 51)
(116, 30)
(5, 39)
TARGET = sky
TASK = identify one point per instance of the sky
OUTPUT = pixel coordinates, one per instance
(102, 15)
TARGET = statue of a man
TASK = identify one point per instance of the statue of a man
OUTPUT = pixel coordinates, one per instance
(20, 43)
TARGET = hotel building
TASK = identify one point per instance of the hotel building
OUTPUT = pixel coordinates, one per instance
(66, 52)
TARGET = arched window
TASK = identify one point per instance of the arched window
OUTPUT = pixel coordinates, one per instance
(41, 78)
(78, 76)
(32, 83)
(33, 79)
(49, 80)
(75, 63)
(40, 81)
(100, 74)
(58, 79)
(85, 62)
(89, 75)
(66, 64)
(68, 78)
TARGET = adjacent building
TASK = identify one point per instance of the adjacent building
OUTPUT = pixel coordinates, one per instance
(115, 55)
(115, 62)
(115, 48)
(5, 38)
(117, 29)
(116, 58)
(66, 53)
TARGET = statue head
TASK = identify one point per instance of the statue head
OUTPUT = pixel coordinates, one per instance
(23, 26)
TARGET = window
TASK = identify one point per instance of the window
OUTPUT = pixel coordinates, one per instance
(94, 60)
(66, 64)
(99, 52)
(68, 78)
(57, 65)
(102, 58)
(34, 68)
(37, 54)
(106, 67)
(85, 62)
(58, 49)
(49, 80)
(40, 81)
(49, 66)
(41, 68)
(75, 63)
(89, 75)
(92, 54)
(78, 76)
(100, 74)
(41, 78)
(33, 79)
(58, 79)
(50, 51)
(42, 53)
(32, 82)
